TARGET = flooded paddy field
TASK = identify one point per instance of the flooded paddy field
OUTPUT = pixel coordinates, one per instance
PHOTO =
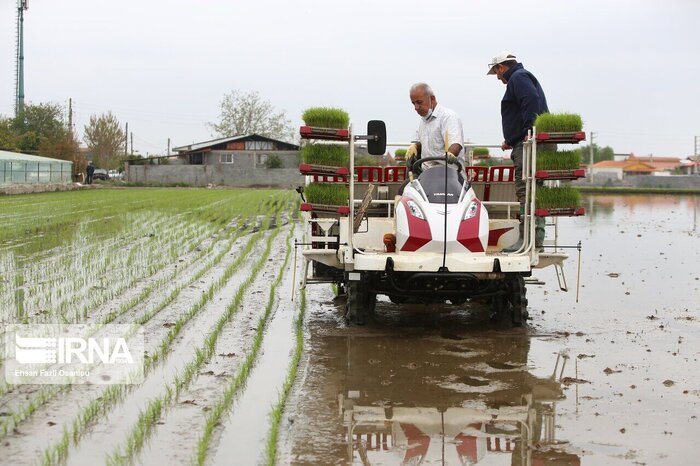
(212, 278)
(610, 379)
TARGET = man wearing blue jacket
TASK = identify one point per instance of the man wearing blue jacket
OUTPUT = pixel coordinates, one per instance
(523, 101)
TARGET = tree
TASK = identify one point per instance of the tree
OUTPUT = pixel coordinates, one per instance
(105, 138)
(41, 129)
(247, 113)
(599, 153)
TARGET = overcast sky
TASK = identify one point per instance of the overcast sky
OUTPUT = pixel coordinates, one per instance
(631, 68)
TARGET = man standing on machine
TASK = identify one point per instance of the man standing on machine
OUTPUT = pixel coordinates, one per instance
(523, 100)
(440, 130)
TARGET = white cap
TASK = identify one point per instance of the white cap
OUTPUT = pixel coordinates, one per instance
(498, 59)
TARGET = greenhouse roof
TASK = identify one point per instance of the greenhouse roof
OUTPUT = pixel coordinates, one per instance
(16, 156)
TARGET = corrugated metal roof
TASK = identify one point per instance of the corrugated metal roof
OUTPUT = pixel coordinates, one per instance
(202, 145)
(17, 157)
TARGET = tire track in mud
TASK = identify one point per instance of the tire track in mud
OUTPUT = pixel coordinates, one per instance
(73, 430)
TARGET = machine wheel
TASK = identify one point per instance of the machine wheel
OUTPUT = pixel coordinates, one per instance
(360, 303)
(512, 303)
(398, 299)
(517, 298)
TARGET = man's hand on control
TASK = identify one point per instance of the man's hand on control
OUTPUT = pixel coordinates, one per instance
(411, 155)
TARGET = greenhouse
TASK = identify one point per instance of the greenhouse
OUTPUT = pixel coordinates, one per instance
(16, 168)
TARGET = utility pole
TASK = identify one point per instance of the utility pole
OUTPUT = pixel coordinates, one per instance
(132, 143)
(126, 139)
(695, 159)
(19, 95)
(590, 156)
(168, 154)
(70, 115)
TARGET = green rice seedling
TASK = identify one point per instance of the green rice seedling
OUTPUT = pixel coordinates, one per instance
(558, 123)
(332, 155)
(480, 152)
(400, 153)
(558, 160)
(278, 409)
(226, 401)
(326, 194)
(326, 117)
(557, 198)
(114, 393)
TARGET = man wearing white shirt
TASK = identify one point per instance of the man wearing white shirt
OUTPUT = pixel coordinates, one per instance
(440, 130)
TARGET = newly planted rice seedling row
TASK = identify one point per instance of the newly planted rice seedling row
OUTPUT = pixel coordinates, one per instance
(146, 422)
(45, 394)
(278, 409)
(224, 404)
(115, 393)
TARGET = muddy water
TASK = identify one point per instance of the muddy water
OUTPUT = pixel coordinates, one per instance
(612, 379)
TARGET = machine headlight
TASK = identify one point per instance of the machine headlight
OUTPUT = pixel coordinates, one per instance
(471, 210)
(415, 210)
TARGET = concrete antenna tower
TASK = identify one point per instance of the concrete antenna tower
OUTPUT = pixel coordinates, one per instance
(19, 80)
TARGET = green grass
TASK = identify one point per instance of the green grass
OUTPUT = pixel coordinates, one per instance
(329, 194)
(326, 117)
(481, 151)
(556, 198)
(332, 155)
(558, 123)
(558, 160)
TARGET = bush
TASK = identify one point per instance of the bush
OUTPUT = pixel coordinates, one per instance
(273, 161)
(328, 194)
(558, 160)
(326, 117)
(558, 122)
(367, 160)
(332, 155)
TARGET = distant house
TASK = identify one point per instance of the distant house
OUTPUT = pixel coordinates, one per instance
(241, 161)
(633, 165)
(659, 164)
(248, 151)
(690, 165)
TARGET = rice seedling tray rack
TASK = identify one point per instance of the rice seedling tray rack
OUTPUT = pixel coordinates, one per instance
(322, 170)
(571, 137)
(560, 174)
(329, 134)
(341, 210)
(560, 212)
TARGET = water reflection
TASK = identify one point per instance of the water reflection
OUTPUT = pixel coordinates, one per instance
(446, 398)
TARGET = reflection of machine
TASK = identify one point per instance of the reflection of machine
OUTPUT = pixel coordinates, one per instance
(480, 404)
